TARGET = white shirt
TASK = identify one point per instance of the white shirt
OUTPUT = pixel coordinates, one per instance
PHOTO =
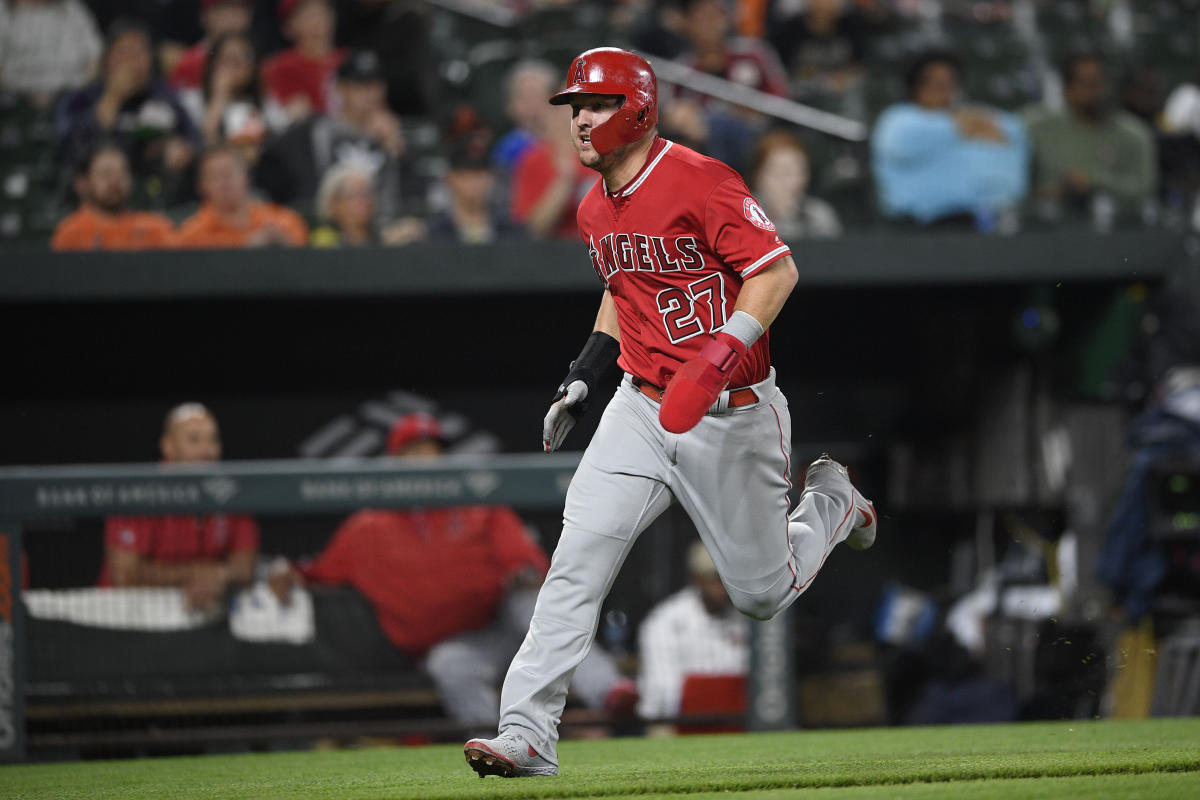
(680, 638)
(47, 47)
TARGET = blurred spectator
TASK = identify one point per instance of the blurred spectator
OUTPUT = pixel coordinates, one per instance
(228, 105)
(47, 46)
(695, 631)
(206, 556)
(939, 161)
(527, 88)
(218, 18)
(822, 47)
(231, 216)
(550, 181)
(398, 32)
(1141, 93)
(104, 221)
(140, 111)
(712, 49)
(453, 586)
(779, 178)
(471, 217)
(359, 130)
(1092, 158)
(346, 205)
(298, 78)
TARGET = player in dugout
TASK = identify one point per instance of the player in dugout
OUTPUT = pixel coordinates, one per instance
(204, 555)
(454, 589)
(693, 273)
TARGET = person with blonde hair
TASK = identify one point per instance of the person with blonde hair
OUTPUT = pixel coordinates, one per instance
(346, 205)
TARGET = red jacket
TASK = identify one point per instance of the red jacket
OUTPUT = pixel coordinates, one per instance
(432, 573)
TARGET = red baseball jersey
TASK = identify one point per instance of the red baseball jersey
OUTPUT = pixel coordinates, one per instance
(429, 573)
(673, 247)
(180, 538)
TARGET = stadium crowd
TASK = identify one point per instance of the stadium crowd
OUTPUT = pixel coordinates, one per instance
(238, 123)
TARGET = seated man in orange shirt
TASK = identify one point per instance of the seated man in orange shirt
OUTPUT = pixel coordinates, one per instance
(203, 555)
(103, 221)
(231, 215)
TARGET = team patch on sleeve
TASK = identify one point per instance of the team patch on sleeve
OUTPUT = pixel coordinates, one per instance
(756, 215)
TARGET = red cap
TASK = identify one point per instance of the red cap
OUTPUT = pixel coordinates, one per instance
(411, 428)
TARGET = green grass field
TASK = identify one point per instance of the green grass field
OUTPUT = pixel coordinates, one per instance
(1142, 759)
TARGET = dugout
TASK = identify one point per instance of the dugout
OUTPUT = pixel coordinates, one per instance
(913, 357)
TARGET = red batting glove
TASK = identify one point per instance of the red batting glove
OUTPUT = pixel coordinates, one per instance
(696, 385)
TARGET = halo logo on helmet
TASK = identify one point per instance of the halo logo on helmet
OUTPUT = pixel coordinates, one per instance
(612, 71)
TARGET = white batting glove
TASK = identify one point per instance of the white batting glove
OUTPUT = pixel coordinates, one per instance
(560, 419)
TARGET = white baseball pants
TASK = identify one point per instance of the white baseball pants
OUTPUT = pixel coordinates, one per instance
(731, 475)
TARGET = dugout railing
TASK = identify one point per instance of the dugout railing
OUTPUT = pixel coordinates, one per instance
(530, 481)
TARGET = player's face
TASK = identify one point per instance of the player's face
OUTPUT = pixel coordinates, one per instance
(589, 111)
(195, 438)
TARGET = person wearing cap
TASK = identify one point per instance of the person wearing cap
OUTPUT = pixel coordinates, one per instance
(471, 217)
(695, 631)
(204, 555)
(298, 77)
(218, 18)
(452, 587)
(359, 129)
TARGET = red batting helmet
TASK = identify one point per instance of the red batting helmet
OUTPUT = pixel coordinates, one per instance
(609, 70)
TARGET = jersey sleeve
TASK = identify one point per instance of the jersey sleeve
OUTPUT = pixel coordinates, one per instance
(739, 231)
(338, 562)
(129, 533)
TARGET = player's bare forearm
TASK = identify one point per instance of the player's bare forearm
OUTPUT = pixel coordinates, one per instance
(128, 568)
(764, 293)
(606, 317)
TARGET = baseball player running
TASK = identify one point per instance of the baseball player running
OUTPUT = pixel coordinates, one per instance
(693, 276)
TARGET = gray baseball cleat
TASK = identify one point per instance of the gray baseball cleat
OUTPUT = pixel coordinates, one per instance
(508, 755)
(862, 535)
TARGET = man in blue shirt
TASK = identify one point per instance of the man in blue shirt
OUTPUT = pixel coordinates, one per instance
(938, 160)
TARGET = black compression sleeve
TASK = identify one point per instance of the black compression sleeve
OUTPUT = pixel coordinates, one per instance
(595, 362)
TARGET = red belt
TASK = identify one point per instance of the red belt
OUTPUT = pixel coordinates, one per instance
(737, 397)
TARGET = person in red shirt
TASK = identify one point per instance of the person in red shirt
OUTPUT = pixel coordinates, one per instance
(300, 78)
(218, 18)
(205, 555)
(549, 181)
(453, 587)
(104, 221)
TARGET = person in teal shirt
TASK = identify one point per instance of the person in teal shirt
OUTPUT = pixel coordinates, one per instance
(936, 159)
